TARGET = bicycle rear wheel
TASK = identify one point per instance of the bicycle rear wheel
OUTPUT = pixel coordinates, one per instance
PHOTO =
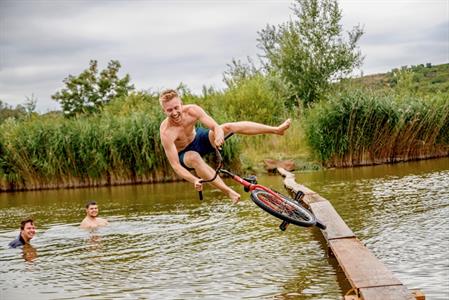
(283, 207)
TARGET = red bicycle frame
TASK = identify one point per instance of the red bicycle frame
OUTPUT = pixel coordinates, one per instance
(275, 202)
(249, 187)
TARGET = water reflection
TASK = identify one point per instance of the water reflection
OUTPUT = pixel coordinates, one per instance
(94, 242)
(29, 253)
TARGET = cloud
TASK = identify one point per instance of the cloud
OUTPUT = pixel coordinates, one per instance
(400, 32)
(161, 43)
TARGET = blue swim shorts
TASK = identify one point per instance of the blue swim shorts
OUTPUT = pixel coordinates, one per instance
(200, 144)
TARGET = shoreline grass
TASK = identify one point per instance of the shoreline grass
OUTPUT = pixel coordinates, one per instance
(121, 144)
(359, 127)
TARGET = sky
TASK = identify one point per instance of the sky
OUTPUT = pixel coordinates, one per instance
(162, 43)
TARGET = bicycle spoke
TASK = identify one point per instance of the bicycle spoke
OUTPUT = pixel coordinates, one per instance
(283, 207)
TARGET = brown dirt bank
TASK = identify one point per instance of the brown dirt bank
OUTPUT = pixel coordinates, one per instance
(367, 158)
(360, 159)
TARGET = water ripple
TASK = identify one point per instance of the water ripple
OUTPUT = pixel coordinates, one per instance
(162, 247)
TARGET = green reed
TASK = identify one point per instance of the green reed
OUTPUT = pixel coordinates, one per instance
(121, 145)
(359, 127)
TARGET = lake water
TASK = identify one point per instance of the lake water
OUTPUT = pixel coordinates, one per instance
(163, 243)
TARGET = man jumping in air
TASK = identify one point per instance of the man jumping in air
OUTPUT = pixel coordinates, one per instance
(184, 145)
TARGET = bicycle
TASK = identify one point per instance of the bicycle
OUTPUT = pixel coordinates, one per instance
(290, 211)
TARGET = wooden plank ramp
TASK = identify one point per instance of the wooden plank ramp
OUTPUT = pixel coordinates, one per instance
(369, 277)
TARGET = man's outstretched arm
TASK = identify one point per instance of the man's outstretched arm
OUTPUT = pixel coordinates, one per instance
(210, 123)
(172, 156)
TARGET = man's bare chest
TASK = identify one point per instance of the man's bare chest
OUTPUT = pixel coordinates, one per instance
(183, 136)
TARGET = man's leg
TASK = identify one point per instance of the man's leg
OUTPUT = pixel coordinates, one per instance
(194, 160)
(252, 128)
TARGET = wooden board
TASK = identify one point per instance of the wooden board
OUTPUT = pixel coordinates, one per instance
(290, 182)
(386, 293)
(361, 267)
(312, 198)
(366, 274)
(336, 227)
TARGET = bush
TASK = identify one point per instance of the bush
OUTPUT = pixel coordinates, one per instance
(251, 100)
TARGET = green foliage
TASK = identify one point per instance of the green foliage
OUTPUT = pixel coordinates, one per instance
(403, 82)
(417, 80)
(310, 52)
(252, 99)
(119, 145)
(7, 111)
(238, 72)
(359, 126)
(90, 91)
(420, 80)
(81, 150)
(30, 105)
(135, 102)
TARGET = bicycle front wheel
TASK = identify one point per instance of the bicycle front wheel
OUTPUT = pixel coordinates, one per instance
(283, 207)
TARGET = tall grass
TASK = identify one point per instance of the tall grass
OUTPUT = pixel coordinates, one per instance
(360, 127)
(290, 146)
(121, 145)
(254, 100)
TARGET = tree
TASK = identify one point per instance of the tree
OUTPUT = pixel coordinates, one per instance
(7, 111)
(30, 104)
(90, 91)
(239, 71)
(309, 52)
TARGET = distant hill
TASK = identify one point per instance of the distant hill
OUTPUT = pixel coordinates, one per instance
(423, 79)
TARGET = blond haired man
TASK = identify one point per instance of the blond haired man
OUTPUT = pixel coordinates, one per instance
(184, 145)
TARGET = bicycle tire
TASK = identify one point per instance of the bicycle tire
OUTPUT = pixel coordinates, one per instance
(283, 207)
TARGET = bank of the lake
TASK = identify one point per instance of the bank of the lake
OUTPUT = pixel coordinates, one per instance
(121, 144)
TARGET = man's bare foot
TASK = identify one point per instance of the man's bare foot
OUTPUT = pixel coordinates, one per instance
(283, 127)
(235, 197)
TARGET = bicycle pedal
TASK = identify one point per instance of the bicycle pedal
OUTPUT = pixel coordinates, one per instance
(283, 225)
(298, 197)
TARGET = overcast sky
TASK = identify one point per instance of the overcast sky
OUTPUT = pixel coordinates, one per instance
(163, 43)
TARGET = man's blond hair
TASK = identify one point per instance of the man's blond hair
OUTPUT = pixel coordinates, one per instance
(167, 95)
